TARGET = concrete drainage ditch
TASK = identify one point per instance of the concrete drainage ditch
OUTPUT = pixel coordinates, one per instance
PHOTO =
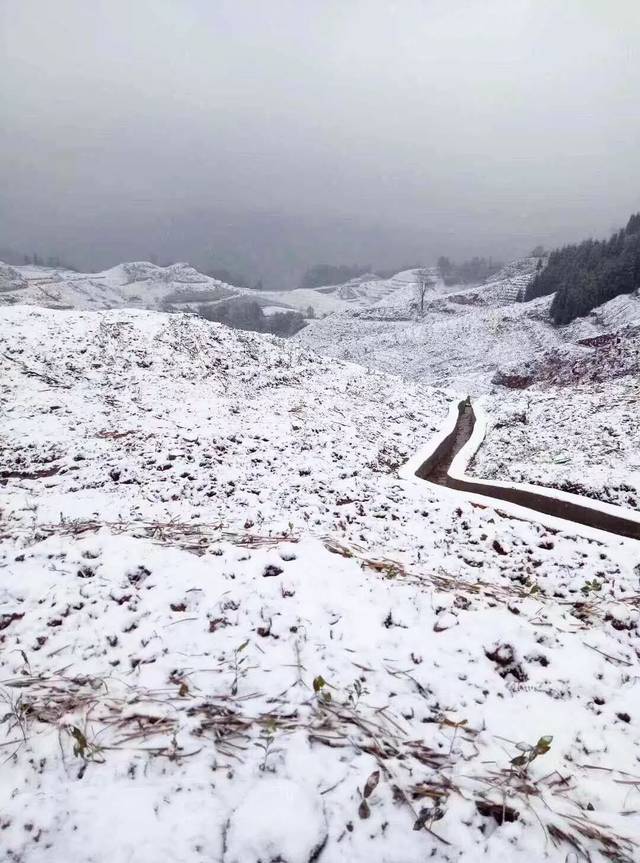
(436, 469)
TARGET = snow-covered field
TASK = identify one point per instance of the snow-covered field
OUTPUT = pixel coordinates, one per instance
(458, 345)
(583, 439)
(581, 398)
(230, 632)
(464, 335)
(577, 425)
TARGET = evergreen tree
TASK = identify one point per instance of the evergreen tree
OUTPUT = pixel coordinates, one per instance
(475, 271)
(585, 275)
(633, 225)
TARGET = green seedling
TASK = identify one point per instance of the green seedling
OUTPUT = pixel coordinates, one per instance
(530, 753)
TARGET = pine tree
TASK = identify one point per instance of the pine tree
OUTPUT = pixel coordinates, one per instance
(633, 225)
(590, 273)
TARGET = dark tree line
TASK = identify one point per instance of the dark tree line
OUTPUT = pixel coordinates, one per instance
(39, 261)
(585, 275)
(468, 272)
(388, 272)
(232, 277)
(247, 315)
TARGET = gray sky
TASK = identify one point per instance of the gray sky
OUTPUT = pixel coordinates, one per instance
(268, 134)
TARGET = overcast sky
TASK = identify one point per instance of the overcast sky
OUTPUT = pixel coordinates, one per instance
(282, 131)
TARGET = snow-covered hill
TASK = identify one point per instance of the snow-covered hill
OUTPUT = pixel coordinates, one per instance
(138, 284)
(180, 286)
(576, 423)
(582, 438)
(581, 426)
(362, 292)
(230, 631)
(399, 291)
(456, 343)
(465, 334)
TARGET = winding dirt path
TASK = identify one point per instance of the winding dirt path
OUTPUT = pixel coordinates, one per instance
(436, 469)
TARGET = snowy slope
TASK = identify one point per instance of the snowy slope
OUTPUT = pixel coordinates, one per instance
(398, 293)
(584, 439)
(621, 311)
(245, 385)
(361, 292)
(137, 284)
(145, 285)
(466, 335)
(230, 632)
(582, 428)
(577, 424)
(456, 344)
(180, 287)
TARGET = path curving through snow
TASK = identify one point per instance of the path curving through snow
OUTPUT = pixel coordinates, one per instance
(437, 468)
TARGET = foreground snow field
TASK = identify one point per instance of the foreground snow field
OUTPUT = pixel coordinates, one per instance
(230, 632)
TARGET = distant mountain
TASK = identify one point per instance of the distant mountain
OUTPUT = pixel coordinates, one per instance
(131, 285)
(180, 286)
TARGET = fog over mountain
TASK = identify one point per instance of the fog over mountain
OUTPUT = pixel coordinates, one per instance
(271, 136)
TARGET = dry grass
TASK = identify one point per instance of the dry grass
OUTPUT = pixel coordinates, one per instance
(195, 537)
(96, 717)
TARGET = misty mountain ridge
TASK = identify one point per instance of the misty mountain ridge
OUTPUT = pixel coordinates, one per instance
(141, 284)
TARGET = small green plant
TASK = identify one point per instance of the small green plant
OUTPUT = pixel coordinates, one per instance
(238, 662)
(319, 687)
(267, 738)
(592, 586)
(355, 693)
(530, 753)
(83, 748)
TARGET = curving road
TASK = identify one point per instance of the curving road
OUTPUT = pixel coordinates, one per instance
(436, 469)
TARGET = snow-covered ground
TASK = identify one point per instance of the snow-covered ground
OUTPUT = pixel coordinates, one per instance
(576, 425)
(455, 344)
(180, 287)
(231, 632)
(582, 428)
(362, 292)
(463, 337)
(465, 334)
(137, 284)
(397, 293)
(583, 439)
